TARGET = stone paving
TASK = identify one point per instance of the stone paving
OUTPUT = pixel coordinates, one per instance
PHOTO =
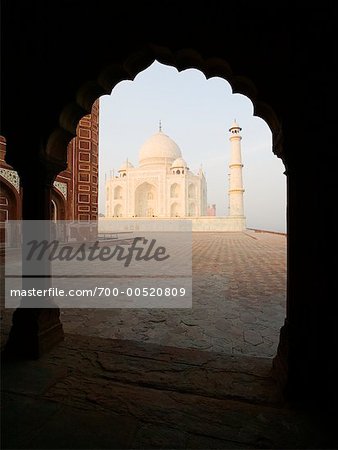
(95, 393)
(239, 290)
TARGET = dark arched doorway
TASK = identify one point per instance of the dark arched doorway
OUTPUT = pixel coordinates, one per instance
(59, 207)
(10, 208)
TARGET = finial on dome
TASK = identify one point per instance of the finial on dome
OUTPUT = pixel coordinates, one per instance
(160, 126)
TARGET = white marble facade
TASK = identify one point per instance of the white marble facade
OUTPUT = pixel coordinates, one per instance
(162, 185)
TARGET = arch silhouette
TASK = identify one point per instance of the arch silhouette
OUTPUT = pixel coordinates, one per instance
(138, 61)
(60, 209)
(174, 190)
(12, 206)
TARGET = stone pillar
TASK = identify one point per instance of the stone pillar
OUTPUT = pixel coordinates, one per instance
(308, 347)
(35, 330)
(236, 206)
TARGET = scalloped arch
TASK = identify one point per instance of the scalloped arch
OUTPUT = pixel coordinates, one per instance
(138, 61)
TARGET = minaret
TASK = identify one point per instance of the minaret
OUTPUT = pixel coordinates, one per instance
(236, 190)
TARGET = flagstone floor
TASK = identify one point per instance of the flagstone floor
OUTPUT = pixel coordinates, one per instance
(239, 290)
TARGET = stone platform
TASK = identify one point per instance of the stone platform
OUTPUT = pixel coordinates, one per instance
(198, 224)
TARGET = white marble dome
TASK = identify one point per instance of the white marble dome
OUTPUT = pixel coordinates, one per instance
(159, 149)
(161, 185)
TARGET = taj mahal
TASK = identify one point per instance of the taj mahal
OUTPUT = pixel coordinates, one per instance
(162, 186)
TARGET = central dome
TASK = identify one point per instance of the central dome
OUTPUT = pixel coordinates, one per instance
(159, 149)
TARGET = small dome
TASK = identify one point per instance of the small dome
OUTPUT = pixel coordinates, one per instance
(179, 162)
(159, 149)
(126, 165)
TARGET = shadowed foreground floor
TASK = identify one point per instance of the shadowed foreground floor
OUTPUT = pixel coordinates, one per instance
(139, 379)
(101, 393)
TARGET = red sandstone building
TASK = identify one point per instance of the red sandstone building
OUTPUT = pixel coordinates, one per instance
(75, 190)
(211, 210)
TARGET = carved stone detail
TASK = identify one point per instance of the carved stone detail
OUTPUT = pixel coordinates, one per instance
(62, 187)
(11, 176)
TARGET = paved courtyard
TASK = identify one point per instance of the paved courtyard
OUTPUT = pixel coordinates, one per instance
(239, 289)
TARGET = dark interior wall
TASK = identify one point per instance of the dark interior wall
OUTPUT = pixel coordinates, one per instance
(59, 56)
(50, 49)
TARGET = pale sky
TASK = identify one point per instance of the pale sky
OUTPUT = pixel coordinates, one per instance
(197, 114)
